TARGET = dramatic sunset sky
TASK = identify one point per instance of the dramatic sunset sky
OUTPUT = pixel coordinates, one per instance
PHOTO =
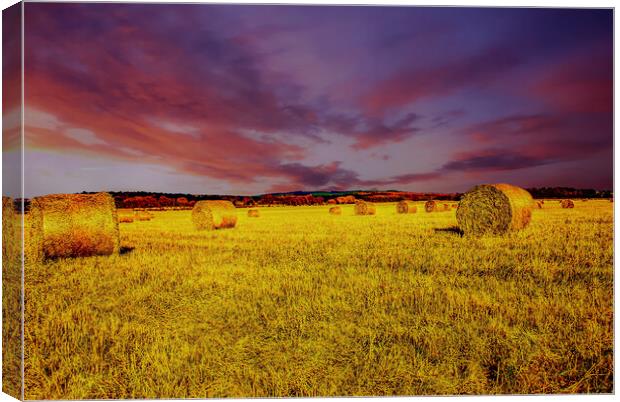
(253, 99)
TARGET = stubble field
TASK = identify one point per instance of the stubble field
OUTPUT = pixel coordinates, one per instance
(298, 302)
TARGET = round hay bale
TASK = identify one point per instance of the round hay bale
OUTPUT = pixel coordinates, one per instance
(406, 207)
(539, 205)
(144, 216)
(125, 219)
(11, 233)
(73, 225)
(210, 215)
(454, 206)
(335, 211)
(494, 209)
(331, 201)
(434, 206)
(253, 213)
(365, 208)
(567, 204)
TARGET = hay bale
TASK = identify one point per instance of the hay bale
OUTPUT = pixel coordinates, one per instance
(365, 208)
(335, 211)
(209, 215)
(125, 219)
(406, 207)
(567, 204)
(494, 209)
(73, 225)
(539, 205)
(253, 213)
(434, 206)
(11, 233)
(331, 201)
(143, 216)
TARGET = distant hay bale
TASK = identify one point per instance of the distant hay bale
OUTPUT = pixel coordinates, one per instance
(539, 204)
(143, 216)
(11, 233)
(494, 209)
(125, 219)
(567, 204)
(73, 225)
(364, 208)
(454, 206)
(335, 211)
(331, 201)
(434, 206)
(406, 207)
(253, 213)
(210, 215)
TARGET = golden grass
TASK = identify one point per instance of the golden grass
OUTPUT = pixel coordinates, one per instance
(11, 299)
(300, 304)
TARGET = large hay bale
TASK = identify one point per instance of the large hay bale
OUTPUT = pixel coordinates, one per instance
(567, 204)
(335, 211)
(73, 225)
(494, 209)
(406, 207)
(253, 213)
(210, 215)
(364, 208)
(11, 234)
(434, 206)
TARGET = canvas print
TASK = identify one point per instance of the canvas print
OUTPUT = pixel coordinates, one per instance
(282, 201)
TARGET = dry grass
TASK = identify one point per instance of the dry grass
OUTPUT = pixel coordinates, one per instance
(210, 215)
(73, 225)
(11, 297)
(298, 303)
(494, 209)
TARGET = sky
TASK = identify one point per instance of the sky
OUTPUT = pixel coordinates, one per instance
(230, 99)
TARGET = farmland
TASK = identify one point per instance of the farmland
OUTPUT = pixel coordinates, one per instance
(299, 302)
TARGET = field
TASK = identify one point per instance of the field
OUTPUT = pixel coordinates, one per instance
(302, 303)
